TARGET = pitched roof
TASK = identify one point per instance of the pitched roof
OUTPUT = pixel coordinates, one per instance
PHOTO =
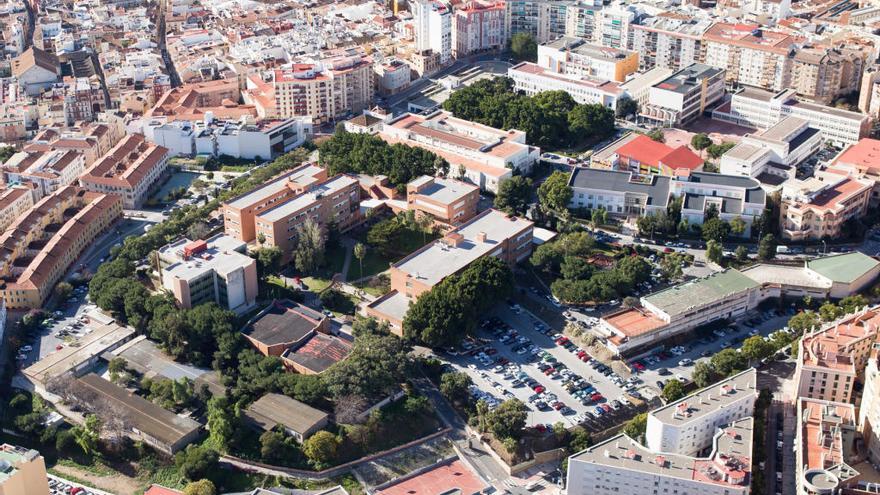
(845, 268)
(34, 57)
(271, 410)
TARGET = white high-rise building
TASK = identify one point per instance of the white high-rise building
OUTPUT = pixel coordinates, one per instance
(433, 27)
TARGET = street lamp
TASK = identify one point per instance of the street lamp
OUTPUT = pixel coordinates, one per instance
(824, 246)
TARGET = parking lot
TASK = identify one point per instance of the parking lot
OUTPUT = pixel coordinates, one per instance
(65, 327)
(60, 486)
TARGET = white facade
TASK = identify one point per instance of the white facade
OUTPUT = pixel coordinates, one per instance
(771, 151)
(613, 25)
(433, 27)
(532, 79)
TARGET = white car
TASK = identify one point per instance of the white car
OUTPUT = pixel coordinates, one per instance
(26, 348)
(686, 362)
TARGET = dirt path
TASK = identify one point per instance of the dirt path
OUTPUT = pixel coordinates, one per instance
(118, 484)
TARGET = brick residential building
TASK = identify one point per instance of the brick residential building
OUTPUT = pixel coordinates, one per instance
(819, 207)
(129, 169)
(446, 201)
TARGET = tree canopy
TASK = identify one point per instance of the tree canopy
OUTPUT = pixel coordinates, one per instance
(555, 193)
(523, 47)
(514, 195)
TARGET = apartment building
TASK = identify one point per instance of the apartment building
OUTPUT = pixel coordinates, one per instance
(669, 41)
(480, 154)
(240, 212)
(689, 425)
(47, 170)
(750, 55)
(216, 270)
(336, 200)
(529, 16)
(448, 202)
(859, 160)
(831, 358)
(193, 102)
(869, 410)
(392, 77)
(819, 207)
(684, 96)
(580, 19)
(614, 25)
(576, 57)
(823, 75)
(23, 471)
(491, 233)
(478, 27)
(826, 446)
(432, 22)
(531, 79)
(641, 155)
(129, 170)
(14, 201)
(41, 245)
(772, 155)
(753, 107)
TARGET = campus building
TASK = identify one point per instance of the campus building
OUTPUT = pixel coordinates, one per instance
(41, 245)
(532, 78)
(491, 233)
(445, 201)
(213, 270)
(480, 154)
(129, 169)
(22, 471)
(717, 420)
(641, 155)
(576, 57)
(273, 411)
(684, 96)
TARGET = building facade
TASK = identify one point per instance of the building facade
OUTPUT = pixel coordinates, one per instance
(129, 169)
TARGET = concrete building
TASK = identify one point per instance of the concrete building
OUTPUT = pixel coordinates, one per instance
(14, 201)
(279, 411)
(771, 156)
(48, 170)
(41, 245)
(820, 206)
(531, 79)
(614, 24)
(35, 70)
(750, 55)
(486, 155)
(668, 42)
(859, 161)
(479, 27)
(392, 77)
(129, 169)
(689, 425)
(752, 107)
(831, 358)
(641, 155)
(824, 75)
(492, 233)
(580, 19)
(213, 270)
(432, 21)
(531, 17)
(869, 410)
(638, 88)
(576, 57)
(825, 447)
(446, 201)
(684, 96)
(22, 471)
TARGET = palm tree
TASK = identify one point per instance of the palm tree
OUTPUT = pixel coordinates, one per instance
(359, 252)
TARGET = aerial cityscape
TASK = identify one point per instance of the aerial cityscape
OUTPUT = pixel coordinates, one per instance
(438, 247)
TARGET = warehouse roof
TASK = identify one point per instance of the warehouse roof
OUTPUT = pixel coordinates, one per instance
(271, 410)
(699, 293)
(844, 268)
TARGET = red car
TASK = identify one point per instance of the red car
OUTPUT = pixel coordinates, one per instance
(538, 389)
(596, 397)
(585, 358)
(581, 354)
(549, 371)
(540, 427)
(606, 407)
(559, 405)
(59, 347)
(667, 250)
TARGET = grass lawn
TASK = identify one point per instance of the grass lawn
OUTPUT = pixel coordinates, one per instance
(276, 289)
(334, 260)
(374, 263)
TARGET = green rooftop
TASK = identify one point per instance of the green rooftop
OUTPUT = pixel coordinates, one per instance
(699, 293)
(843, 268)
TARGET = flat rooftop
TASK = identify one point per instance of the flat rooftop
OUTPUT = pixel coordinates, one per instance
(393, 305)
(146, 358)
(634, 322)
(822, 448)
(446, 478)
(696, 294)
(728, 464)
(306, 199)
(708, 400)
(688, 78)
(796, 276)
(437, 260)
(268, 190)
(319, 352)
(656, 189)
(283, 322)
(222, 255)
(446, 191)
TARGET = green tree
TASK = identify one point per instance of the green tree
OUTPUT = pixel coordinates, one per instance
(523, 47)
(63, 290)
(741, 253)
(385, 235)
(196, 462)
(514, 195)
(672, 391)
(716, 150)
(714, 252)
(715, 229)
(308, 253)
(455, 386)
(201, 487)
(851, 304)
(657, 135)
(86, 435)
(737, 226)
(727, 362)
(359, 252)
(700, 142)
(635, 428)
(830, 312)
(598, 217)
(555, 193)
(268, 260)
(376, 366)
(626, 107)
(223, 420)
(579, 439)
(756, 348)
(671, 266)
(704, 375)
(6, 153)
(508, 419)
(591, 120)
(767, 247)
(321, 449)
(804, 321)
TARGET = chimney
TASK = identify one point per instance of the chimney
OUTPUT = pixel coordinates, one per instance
(481, 237)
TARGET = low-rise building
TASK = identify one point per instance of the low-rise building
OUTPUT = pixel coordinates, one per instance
(831, 358)
(14, 201)
(129, 169)
(761, 109)
(531, 79)
(826, 446)
(688, 425)
(143, 420)
(642, 155)
(36, 70)
(392, 77)
(48, 170)
(576, 57)
(819, 207)
(860, 160)
(23, 471)
(683, 96)
(491, 233)
(41, 245)
(446, 201)
(477, 153)
(213, 270)
(279, 411)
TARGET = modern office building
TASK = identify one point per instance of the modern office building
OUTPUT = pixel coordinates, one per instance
(576, 57)
(212, 270)
(684, 96)
(129, 169)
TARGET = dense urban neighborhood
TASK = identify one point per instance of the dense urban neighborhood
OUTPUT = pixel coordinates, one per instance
(425, 247)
